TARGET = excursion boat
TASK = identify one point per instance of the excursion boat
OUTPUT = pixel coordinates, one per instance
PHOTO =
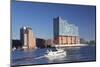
(55, 53)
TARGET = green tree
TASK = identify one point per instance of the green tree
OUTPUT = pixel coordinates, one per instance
(83, 41)
(92, 42)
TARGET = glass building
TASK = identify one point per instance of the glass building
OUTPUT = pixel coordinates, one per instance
(65, 33)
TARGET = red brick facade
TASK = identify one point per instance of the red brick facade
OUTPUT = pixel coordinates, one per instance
(67, 40)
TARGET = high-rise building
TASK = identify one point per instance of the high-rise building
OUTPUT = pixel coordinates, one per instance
(65, 33)
(27, 38)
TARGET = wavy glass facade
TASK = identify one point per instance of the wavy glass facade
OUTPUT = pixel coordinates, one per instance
(65, 33)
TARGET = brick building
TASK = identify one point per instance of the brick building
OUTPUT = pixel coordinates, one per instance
(27, 38)
(65, 33)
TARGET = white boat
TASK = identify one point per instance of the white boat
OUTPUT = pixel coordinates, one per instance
(13, 49)
(55, 54)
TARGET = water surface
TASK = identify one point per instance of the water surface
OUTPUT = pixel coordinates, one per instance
(26, 57)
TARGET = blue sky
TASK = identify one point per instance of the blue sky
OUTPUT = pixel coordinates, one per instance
(40, 17)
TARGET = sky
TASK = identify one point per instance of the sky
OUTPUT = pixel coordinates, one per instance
(40, 16)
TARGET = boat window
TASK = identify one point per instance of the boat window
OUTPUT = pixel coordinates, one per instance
(54, 49)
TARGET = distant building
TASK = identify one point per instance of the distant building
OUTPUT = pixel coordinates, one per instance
(65, 33)
(40, 43)
(49, 42)
(16, 44)
(27, 38)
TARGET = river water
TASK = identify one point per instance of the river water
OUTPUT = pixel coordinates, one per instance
(35, 57)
